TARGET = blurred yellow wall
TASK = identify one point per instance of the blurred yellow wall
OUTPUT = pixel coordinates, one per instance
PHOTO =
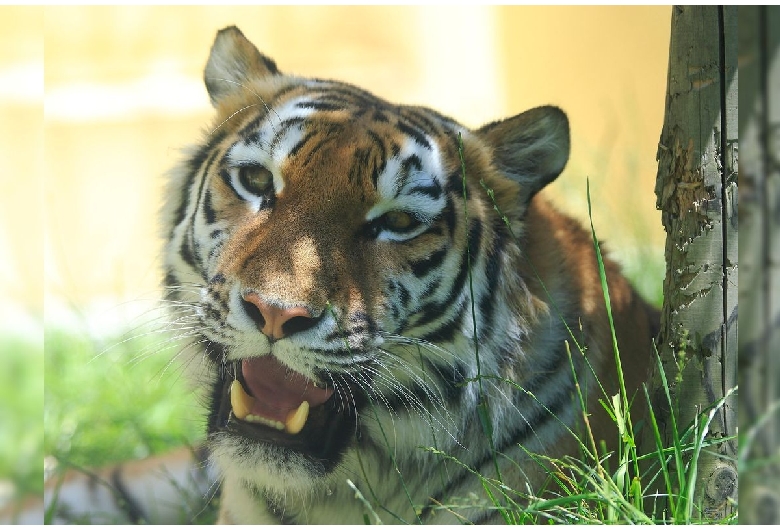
(123, 93)
(21, 169)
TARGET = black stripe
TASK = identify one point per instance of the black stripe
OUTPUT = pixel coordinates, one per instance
(433, 191)
(316, 148)
(284, 91)
(421, 121)
(249, 133)
(350, 96)
(214, 252)
(380, 116)
(359, 322)
(411, 162)
(541, 416)
(488, 299)
(264, 109)
(224, 174)
(549, 367)
(254, 139)
(185, 251)
(404, 296)
(376, 453)
(433, 310)
(449, 216)
(171, 281)
(320, 105)
(270, 65)
(448, 331)
(283, 129)
(423, 266)
(475, 240)
(193, 165)
(297, 147)
(208, 209)
(435, 230)
(417, 135)
(210, 311)
(430, 288)
(455, 183)
(194, 244)
(360, 162)
(381, 156)
(218, 407)
(395, 312)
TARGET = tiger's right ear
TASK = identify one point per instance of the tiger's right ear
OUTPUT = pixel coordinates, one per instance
(234, 62)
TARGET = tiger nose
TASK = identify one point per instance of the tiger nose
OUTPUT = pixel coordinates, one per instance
(276, 322)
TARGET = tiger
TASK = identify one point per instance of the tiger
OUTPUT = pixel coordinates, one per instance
(383, 315)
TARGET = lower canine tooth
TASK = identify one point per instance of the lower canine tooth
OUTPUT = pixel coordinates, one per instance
(240, 401)
(296, 419)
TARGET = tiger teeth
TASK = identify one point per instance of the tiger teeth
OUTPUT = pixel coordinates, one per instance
(242, 404)
(240, 401)
(278, 425)
(296, 419)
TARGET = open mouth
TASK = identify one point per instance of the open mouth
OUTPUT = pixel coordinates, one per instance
(266, 402)
(275, 396)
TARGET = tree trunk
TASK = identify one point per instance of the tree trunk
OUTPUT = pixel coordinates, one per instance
(696, 190)
(759, 362)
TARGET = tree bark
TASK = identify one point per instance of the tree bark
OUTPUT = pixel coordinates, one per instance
(696, 190)
(759, 292)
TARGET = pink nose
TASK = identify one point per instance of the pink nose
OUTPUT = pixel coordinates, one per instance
(278, 322)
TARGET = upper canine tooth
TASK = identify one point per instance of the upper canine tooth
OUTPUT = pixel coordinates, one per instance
(240, 400)
(296, 419)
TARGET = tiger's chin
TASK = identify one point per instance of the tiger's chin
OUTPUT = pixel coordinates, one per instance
(265, 467)
(282, 454)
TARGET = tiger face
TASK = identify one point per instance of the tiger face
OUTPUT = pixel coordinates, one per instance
(349, 268)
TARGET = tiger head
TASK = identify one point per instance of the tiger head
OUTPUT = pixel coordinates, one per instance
(336, 257)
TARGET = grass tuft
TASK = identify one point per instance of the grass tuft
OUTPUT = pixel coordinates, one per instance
(21, 435)
(101, 406)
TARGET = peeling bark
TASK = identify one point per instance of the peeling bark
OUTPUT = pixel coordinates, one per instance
(696, 191)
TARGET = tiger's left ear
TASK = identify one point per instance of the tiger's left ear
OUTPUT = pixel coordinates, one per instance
(531, 148)
(234, 62)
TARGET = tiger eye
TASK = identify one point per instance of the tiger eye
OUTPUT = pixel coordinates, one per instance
(256, 179)
(398, 221)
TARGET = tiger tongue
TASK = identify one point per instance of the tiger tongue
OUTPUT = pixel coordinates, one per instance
(277, 390)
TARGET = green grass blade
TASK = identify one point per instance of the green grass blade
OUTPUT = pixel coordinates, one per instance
(661, 457)
(608, 305)
(482, 410)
